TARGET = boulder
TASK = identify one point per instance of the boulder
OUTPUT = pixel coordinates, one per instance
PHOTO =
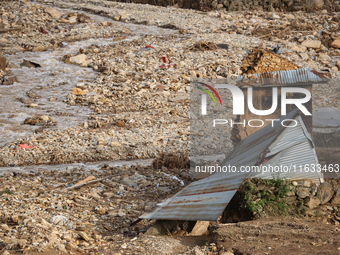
(302, 192)
(156, 229)
(336, 44)
(52, 12)
(314, 44)
(336, 199)
(200, 228)
(77, 60)
(79, 92)
(3, 62)
(325, 192)
(312, 202)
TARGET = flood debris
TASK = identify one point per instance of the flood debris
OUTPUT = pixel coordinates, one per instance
(267, 149)
(171, 161)
(260, 60)
(203, 46)
(40, 121)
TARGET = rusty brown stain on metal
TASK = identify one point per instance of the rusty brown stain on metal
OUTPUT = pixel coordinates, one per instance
(324, 75)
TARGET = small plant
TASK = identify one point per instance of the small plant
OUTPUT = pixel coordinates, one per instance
(6, 191)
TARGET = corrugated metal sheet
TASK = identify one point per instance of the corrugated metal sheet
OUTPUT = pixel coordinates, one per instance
(205, 200)
(289, 137)
(281, 78)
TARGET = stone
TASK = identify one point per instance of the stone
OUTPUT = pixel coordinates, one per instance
(336, 199)
(52, 12)
(39, 48)
(77, 60)
(79, 92)
(314, 44)
(312, 202)
(336, 44)
(84, 236)
(317, 4)
(156, 229)
(227, 253)
(338, 63)
(275, 16)
(324, 58)
(290, 200)
(120, 123)
(306, 184)
(302, 192)
(295, 183)
(304, 55)
(200, 228)
(70, 246)
(3, 62)
(101, 211)
(325, 192)
(5, 227)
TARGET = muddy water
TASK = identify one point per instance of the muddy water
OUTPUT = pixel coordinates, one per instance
(53, 79)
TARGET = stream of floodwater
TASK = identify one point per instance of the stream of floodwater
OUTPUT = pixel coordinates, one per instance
(55, 79)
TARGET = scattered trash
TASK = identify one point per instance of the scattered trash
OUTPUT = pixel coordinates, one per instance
(167, 63)
(277, 49)
(59, 220)
(87, 179)
(174, 178)
(43, 31)
(222, 46)
(179, 161)
(24, 146)
(148, 47)
(82, 183)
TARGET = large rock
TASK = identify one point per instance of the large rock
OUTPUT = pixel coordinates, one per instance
(77, 60)
(79, 92)
(314, 44)
(312, 202)
(325, 192)
(200, 228)
(336, 198)
(3, 62)
(53, 12)
(336, 44)
(316, 4)
(156, 229)
(302, 192)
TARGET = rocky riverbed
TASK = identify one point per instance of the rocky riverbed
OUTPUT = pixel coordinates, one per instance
(85, 81)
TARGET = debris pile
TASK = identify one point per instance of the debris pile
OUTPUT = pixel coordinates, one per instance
(262, 60)
(52, 210)
(171, 161)
(203, 46)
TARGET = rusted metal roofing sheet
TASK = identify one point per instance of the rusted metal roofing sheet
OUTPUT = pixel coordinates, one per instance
(205, 200)
(281, 78)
